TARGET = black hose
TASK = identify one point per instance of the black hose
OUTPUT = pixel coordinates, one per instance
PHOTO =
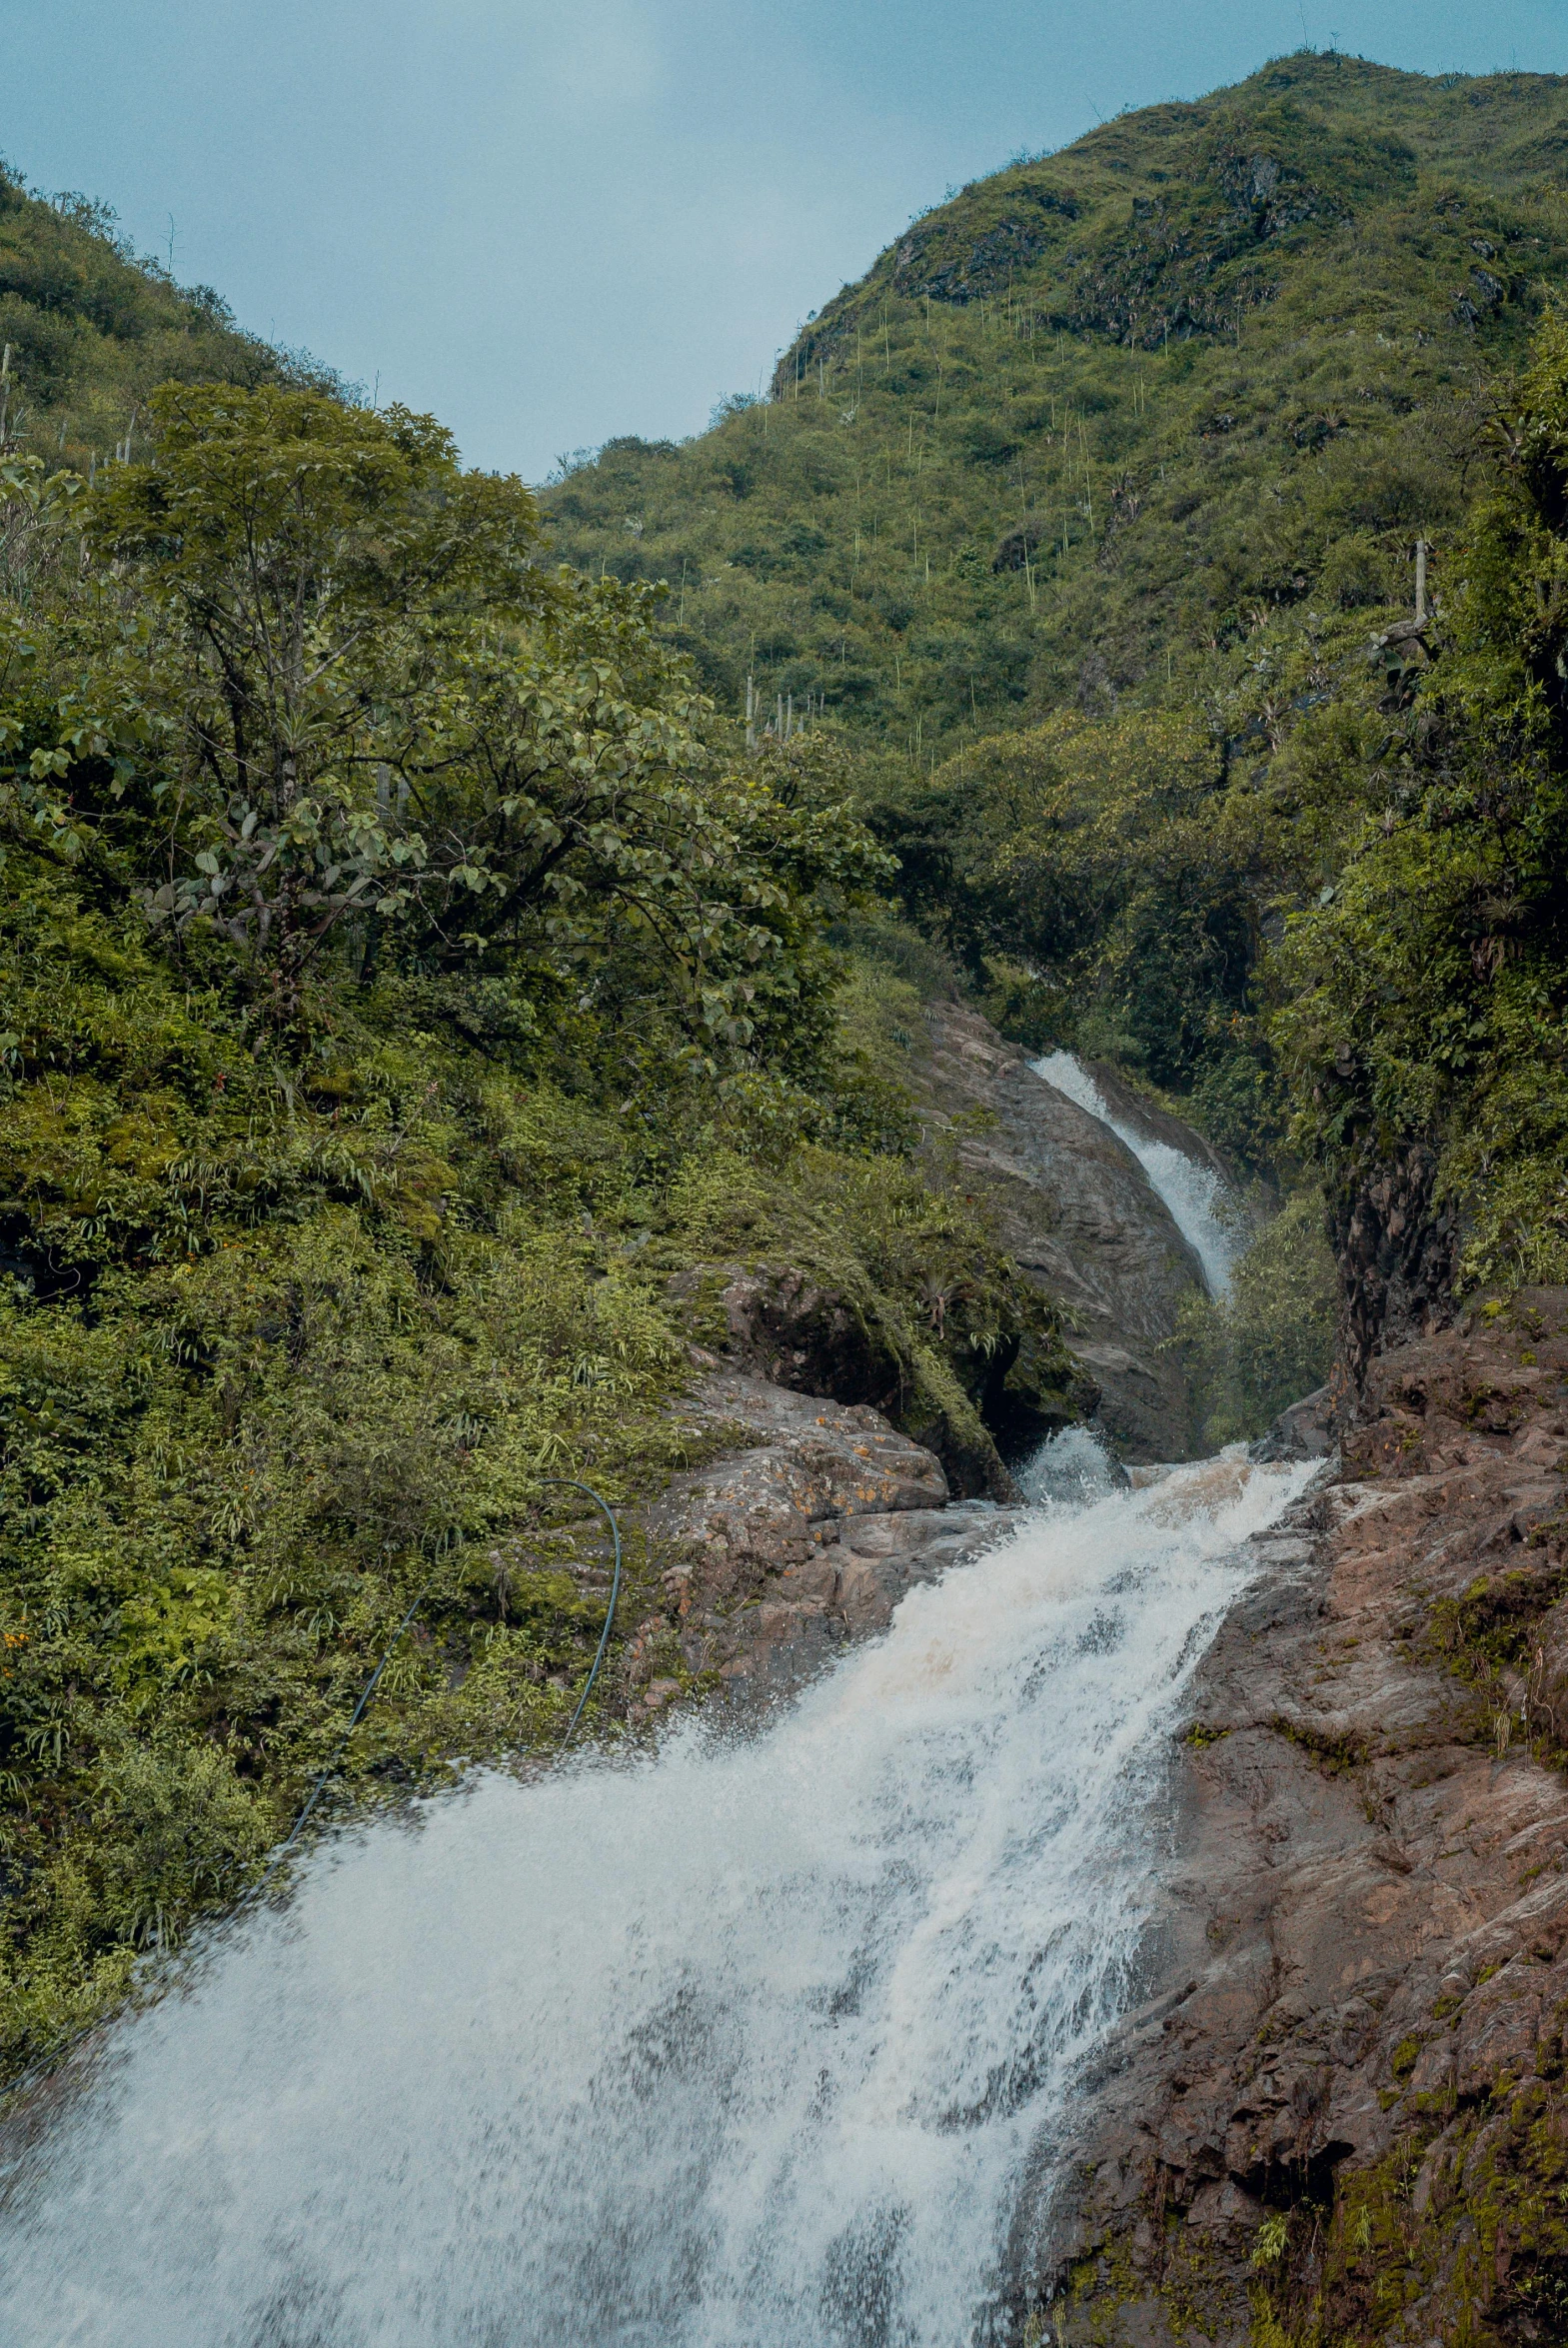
(319, 1787)
(316, 1790)
(614, 1592)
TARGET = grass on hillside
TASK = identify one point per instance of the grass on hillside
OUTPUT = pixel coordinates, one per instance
(1086, 421)
(89, 329)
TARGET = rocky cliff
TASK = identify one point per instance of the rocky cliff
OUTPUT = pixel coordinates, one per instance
(804, 1530)
(811, 1515)
(1079, 1216)
(1341, 2114)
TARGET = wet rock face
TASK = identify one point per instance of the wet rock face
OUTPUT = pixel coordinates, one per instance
(1077, 1211)
(1344, 2104)
(788, 1329)
(1152, 1123)
(806, 1531)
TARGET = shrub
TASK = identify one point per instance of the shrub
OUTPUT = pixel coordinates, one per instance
(1271, 1341)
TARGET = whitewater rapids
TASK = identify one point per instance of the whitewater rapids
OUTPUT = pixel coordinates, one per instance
(743, 2045)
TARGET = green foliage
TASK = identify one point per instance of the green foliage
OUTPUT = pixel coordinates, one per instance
(316, 699)
(1269, 2247)
(286, 1341)
(415, 1004)
(1425, 991)
(1090, 417)
(1127, 451)
(1077, 515)
(1269, 1342)
(93, 329)
(941, 1308)
(404, 1006)
(1090, 851)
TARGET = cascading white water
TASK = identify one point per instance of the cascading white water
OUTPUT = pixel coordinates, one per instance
(1201, 1208)
(1072, 1469)
(741, 2045)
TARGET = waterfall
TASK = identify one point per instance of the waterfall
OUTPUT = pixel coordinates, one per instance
(1196, 1198)
(741, 2043)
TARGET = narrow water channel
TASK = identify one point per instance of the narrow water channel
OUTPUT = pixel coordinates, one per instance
(1203, 1210)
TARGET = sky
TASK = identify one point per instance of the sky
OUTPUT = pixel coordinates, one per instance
(551, 221)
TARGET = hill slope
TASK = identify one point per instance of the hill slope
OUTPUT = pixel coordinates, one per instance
(1090, 415)
(89, 328)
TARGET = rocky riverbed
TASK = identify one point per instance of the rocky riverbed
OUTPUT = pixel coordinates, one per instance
(1342, 2109)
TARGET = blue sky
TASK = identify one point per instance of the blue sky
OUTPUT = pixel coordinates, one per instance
(554, 220)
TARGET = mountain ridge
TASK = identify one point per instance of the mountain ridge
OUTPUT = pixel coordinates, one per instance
(1074, 424)
(1262, 196)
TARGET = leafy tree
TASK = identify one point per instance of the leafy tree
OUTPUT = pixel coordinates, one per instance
(299, 569)
(318, 696)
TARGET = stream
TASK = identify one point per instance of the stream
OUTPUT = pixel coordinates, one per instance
(741, 2043)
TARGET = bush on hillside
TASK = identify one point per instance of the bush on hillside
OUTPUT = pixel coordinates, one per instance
(1271, 1341)
(398, 995)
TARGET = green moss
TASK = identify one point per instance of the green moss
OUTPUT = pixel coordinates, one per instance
(1491, 1631)
(1335, 1756)
(1404, 2057)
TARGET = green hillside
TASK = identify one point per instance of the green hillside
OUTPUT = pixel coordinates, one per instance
(90, 329)
(1085, 419)
(1078, 519)
(407, 1005)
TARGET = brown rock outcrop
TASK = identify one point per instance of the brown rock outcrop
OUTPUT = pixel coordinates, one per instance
(1343, 2105)
(1078, 1212)
(791, 1331)
(805, 1532)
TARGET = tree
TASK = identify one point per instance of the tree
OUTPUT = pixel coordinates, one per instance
(301, 568)
(1422, 997)
(310, 689)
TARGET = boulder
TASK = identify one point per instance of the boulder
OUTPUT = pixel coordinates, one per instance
(806, 1530)
(1305, 1431)
(793, 1332)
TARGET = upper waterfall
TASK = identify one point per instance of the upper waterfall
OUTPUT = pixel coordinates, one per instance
(1201, 1208)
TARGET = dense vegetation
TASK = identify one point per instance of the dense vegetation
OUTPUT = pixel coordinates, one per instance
(1088, 517)
(398, 985)
(1090, 418)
